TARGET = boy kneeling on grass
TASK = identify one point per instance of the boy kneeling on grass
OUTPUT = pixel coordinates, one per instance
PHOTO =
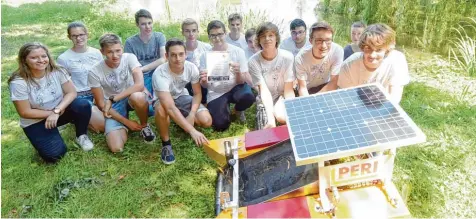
(174, 101)
(378, 62)
(117, 85)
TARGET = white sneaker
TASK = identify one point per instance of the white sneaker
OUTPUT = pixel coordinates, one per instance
(84, 142)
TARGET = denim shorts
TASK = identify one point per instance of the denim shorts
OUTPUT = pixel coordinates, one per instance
(184, 104)
(148, 86)
(122, 107)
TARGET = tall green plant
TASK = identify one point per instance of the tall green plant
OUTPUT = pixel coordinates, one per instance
(463, 50)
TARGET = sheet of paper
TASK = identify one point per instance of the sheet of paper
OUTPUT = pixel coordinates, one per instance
(218, 66)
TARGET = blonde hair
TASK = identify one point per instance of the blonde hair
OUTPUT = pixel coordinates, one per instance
(23, 71)
(189, 21)
(378, 36)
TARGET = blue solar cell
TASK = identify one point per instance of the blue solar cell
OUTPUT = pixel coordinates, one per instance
(344, 120)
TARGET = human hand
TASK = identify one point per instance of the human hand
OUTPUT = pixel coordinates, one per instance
(107, 107)
(198, 137)
(203, 76)
(235, 68)
(133, 126)
(51, 121)
(270, 125)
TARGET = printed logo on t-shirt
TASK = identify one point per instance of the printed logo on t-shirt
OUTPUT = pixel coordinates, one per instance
(45, 94)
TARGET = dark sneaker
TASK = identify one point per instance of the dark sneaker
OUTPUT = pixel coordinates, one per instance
(147, 134)
(167, 155)
(241, 116)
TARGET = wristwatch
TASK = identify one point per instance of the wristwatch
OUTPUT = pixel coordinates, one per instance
(57, 110)
(111, 98)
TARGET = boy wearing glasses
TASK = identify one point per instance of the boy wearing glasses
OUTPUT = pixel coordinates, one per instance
(298, 39)
(378, 62)
(317, 66)
(149, 48)
(195, 48)
(235, 90)
(235, 37)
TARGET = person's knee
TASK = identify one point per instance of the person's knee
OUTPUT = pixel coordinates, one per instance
(206, 120)
(80, 105)
(248, 99)
(221, 124)
(138, 99)
(281, 119)
(54, 155)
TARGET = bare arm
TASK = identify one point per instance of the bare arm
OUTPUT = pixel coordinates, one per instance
(168, 103)
(153, 65)
(288, 90)
(268, 103)
(396, 93)
(69, 95)
(302, 88)
(137, 87)
(24, 109)
(197, 97)
(332, 85)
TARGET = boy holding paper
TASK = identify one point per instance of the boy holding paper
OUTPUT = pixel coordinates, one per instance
(222, 92)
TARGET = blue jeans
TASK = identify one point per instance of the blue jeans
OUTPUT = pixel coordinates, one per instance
(122, 107)
(86, 95)
(48, 142)
(241, 95)
(148, 86)
(204, 92)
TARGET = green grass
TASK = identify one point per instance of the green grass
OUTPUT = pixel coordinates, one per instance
(135, 183)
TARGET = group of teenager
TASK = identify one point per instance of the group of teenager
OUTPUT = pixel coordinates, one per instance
(167, 79)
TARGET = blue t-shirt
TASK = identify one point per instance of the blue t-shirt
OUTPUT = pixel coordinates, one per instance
(146, 52)
(348, 51)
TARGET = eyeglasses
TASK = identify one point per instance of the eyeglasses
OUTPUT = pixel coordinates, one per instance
(78, 36)
(216, 36)
(295, 33)
(321, 41)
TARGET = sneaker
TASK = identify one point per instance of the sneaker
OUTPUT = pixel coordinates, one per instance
(84, 142)
(147, 134)
(241, 116)
(167, 155)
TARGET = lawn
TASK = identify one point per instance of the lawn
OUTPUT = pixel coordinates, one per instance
(437, 178)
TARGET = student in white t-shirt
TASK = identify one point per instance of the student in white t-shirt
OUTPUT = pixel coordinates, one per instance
(378, 62)
(235, 37)
(317, 66)
(235, 90)
(174, 100)
(195, 49)
(78, 60)
(298, 39)
(117, 85)
(45, 98)
(356, 30)
(272, 71)
(252, 48)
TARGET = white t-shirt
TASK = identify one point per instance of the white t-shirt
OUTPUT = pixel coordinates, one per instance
(289, 45)
(273, 73)
(165, 80)
(194, 56)
(45, 95)
(114, 80)
(318, 71)
(241, 42)
(392, 72)
(218, 88)
(78, 65)
(249, 52)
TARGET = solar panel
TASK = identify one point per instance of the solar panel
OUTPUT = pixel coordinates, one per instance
(347, 122)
